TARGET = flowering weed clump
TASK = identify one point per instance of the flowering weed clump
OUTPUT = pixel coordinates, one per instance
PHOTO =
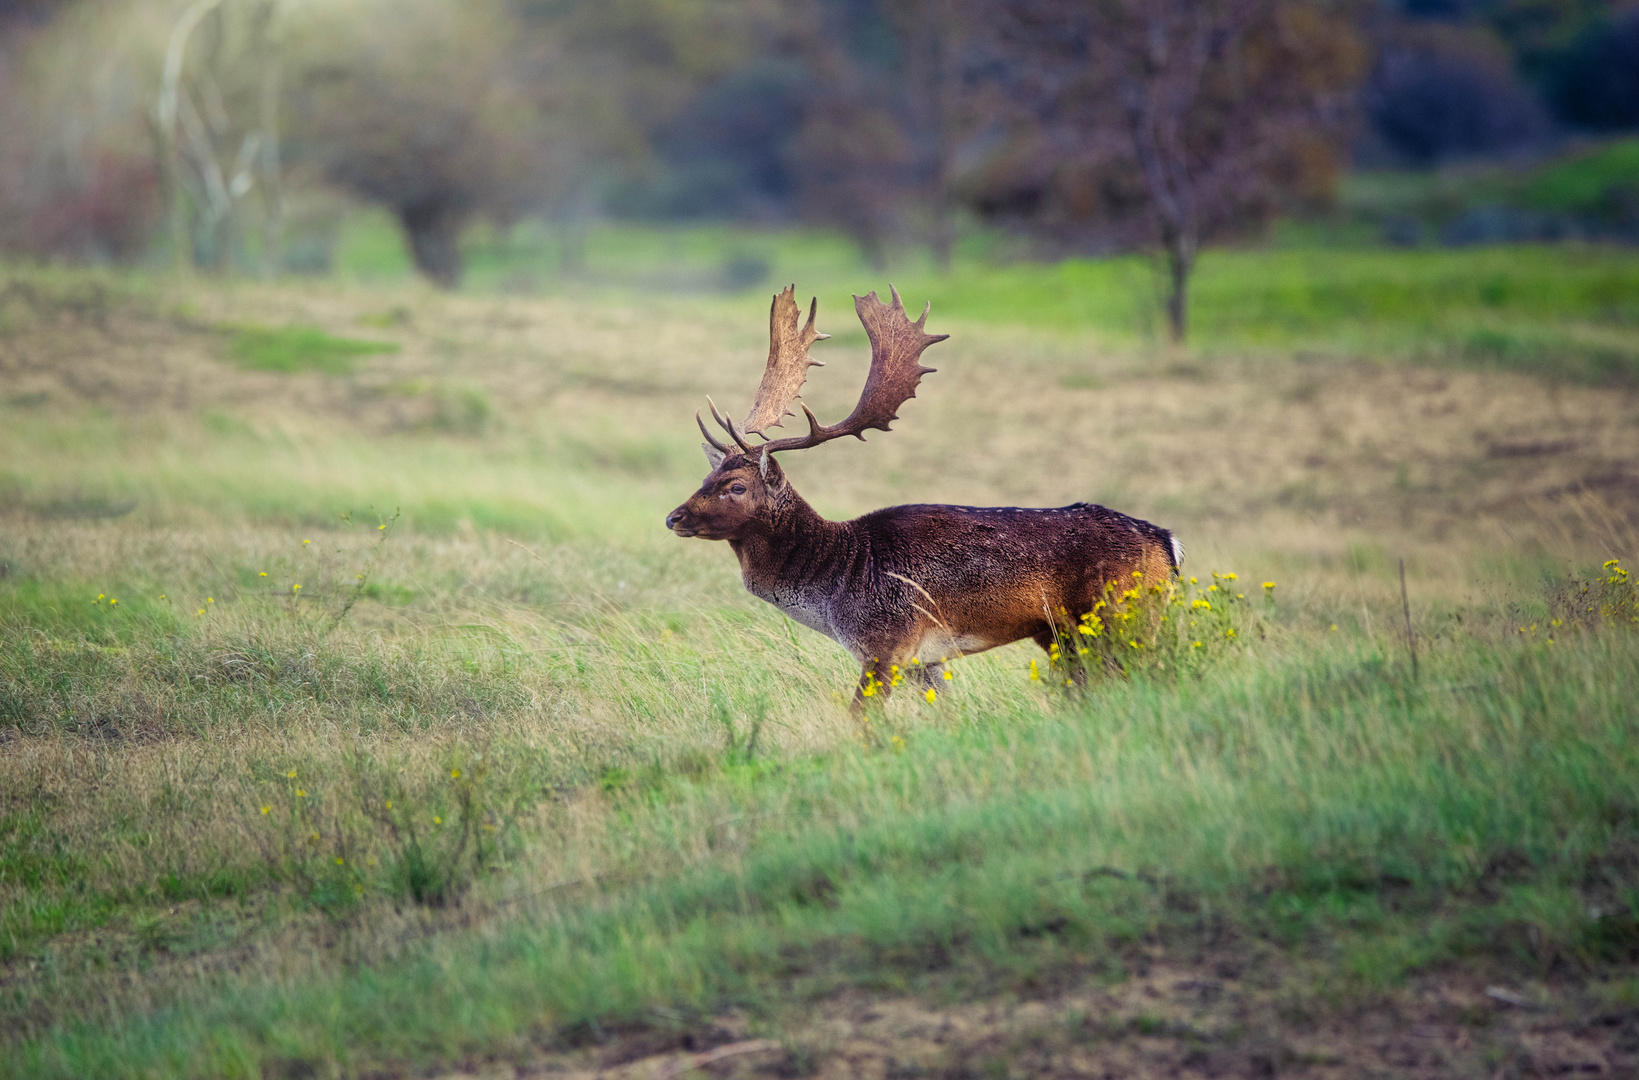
(1179, 628)
(1596, 602)
(373, 832)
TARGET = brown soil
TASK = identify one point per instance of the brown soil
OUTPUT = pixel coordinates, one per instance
(1172, 1021)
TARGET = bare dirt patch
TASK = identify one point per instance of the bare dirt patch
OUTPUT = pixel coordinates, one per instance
(1174, 1020)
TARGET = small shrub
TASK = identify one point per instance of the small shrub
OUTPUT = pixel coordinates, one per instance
(1608, 600)
(1169, 630)
(372, 833)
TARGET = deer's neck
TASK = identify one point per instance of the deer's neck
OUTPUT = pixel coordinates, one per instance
(794, 549)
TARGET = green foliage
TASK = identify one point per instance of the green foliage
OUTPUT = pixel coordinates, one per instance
(1601, 183)
(1588, 187)
(1565, 312)
(292, 349)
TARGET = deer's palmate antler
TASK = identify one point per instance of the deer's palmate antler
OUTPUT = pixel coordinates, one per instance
(896, 347)
(908, 587)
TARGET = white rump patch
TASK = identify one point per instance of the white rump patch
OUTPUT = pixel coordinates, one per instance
(1177, 550)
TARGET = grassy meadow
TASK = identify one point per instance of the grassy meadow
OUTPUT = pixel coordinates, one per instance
(359, 717)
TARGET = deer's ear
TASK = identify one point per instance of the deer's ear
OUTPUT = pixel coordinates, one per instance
(769, 469)
(713, 455)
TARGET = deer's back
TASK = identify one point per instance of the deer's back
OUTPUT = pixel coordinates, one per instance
(991, 575)
(967, 545)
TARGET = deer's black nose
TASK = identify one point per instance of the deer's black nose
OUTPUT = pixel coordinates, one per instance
(673, 518)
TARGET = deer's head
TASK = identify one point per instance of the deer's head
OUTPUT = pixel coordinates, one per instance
(746, 487)
(738, 495)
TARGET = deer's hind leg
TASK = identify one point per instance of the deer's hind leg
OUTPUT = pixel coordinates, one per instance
(1060, 646)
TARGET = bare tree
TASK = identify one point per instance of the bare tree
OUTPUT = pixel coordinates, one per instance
(854, 163)
(424, 108)
(938, 103)
(1219, 106)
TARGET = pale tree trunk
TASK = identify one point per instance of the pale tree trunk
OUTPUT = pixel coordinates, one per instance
(273, 196)
(167, 111)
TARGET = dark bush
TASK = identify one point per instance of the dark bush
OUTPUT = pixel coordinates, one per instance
(1596, 84)
(729, 150)
(1429, 105)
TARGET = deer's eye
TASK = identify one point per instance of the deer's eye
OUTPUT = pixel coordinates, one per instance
(737, 489)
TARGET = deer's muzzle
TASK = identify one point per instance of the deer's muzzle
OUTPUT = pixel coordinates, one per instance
(675, 521)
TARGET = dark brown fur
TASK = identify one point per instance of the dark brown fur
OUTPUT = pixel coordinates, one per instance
(920, 582)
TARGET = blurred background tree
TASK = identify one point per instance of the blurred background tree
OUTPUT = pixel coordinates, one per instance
(242, 135)
(428, 109)
(1211, 114)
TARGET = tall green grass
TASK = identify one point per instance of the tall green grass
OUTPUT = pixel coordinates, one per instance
(684, 816)
(1325, 802)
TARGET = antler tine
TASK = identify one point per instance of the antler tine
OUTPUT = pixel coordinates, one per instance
(728, 426)
(897, 345)
(719, 447)
(788, 361)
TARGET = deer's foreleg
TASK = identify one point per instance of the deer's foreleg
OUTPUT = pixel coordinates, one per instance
(875, 684)
(884, 642)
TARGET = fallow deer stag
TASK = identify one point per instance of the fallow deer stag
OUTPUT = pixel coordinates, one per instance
(906, 587)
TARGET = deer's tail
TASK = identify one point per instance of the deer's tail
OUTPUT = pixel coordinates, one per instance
(1175, 550)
